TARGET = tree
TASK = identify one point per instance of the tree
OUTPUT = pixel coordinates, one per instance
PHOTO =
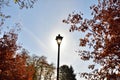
(67, 73)
(21, 3)
(102, 35)
(13, 59)
(7, 3)
(43, 70)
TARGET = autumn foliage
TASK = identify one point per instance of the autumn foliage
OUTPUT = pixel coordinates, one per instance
(13, 59)
(102, 35)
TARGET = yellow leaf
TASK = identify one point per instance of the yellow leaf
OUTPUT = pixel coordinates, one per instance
(15, 1)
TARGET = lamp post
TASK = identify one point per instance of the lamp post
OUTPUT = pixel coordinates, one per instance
(59, 40)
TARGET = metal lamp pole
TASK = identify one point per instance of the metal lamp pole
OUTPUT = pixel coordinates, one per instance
(59, 40)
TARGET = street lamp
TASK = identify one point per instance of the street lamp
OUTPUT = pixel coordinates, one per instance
(59, 40)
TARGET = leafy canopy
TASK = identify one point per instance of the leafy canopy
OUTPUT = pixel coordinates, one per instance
(13, 59)
(102, 35)
(7, 3)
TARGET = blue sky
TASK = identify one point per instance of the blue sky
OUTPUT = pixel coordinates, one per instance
(41, 24)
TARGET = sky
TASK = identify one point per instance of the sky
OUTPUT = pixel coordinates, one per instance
(41, 25)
